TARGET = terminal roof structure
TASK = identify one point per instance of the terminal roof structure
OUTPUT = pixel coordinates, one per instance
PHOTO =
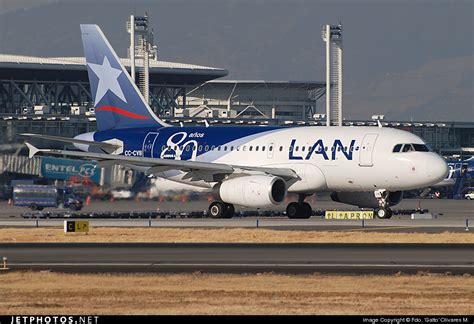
(69, 69)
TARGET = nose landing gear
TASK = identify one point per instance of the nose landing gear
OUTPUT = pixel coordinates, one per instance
(383, 212)
(300, 209)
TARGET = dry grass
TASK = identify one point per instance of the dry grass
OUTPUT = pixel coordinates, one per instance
(52, 293)
(229, 235)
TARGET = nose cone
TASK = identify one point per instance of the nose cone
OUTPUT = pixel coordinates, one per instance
(437, 168)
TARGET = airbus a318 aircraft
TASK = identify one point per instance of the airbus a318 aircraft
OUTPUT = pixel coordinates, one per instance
(246, 165)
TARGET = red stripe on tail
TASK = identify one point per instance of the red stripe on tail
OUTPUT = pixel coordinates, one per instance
(122, 112)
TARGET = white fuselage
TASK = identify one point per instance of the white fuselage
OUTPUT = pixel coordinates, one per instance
(354, 159)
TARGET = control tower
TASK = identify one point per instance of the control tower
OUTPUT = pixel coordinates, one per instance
(332, 35)
(141, 48)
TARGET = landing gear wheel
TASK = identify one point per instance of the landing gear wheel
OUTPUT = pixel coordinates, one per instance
(296, 210)
(383, 213)
(307, 210)
(230, 211)
(292, 210)
(217, 209)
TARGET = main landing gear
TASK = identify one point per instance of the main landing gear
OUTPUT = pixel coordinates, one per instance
(219, 209)
(383, 212)
(300, 209)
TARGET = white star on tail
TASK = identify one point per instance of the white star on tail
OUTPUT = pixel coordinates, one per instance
(107, 80)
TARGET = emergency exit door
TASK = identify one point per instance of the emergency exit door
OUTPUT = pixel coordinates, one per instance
(148, 144)
(367, 150)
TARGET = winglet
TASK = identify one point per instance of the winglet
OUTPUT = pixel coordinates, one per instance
(32, 150)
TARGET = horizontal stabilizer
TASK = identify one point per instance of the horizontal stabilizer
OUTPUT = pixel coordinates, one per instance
(32, 150)
(108, 147)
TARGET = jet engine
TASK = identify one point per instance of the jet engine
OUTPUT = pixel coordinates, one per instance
(366, 199)
(253, 191)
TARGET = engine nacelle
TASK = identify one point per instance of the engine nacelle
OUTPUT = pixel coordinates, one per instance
(366, 199)
(253, 191)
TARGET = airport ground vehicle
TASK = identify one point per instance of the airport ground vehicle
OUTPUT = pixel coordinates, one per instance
(469, 196)
(38, 197)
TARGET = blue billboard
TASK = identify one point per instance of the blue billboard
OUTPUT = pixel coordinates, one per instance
(65, 169)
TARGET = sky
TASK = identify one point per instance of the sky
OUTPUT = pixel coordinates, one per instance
(405, 59)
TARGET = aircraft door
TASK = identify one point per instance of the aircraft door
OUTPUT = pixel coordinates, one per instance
(148, 144)
(367, 149)
(270, 150)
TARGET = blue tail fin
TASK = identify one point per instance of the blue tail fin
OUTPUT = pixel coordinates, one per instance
(118, 102)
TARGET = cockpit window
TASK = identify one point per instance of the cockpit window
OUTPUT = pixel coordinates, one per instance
(407, 148)
(397, 148)
(421, 148)
(410, 148)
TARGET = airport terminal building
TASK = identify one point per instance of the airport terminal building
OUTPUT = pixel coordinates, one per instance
(52, 96)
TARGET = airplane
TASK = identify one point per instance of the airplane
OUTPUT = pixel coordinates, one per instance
(252, 166)
(457, 169)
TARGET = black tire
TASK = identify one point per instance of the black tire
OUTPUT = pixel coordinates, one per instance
(293, 210)
(34, 207)
(307, 210)
(383, 213)
(230, 211)
(217, 209)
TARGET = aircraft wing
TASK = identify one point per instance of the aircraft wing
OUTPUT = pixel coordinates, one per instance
(196, 170)
(108, 147)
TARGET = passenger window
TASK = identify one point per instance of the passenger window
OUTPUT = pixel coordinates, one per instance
(231, 148)
(250, 148)
(303, 148)
(206, 148)
(213, 147)
(225, 148)
(263, 148)
(270, 148)
(296, 148)
(397, 148)
(219, 148)
(256, 148)
(281, 148)
(243, 148)
(200, 148)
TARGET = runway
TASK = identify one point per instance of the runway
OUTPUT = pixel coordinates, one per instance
(278, 223)
(240, 258)
(444, 209)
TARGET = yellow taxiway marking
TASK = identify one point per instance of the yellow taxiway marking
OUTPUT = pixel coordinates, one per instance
(377, 228)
